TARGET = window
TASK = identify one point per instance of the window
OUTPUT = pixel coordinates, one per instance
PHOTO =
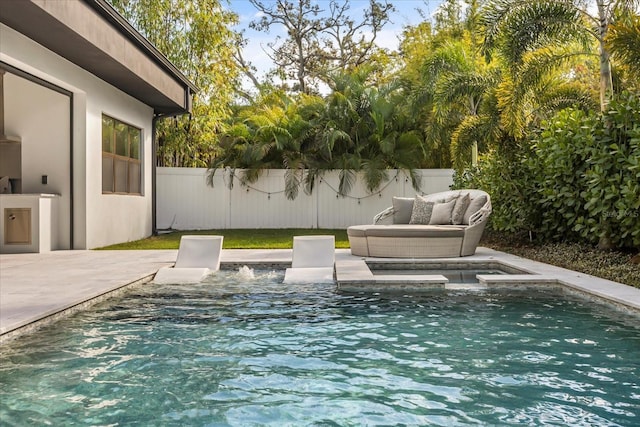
(121, 168)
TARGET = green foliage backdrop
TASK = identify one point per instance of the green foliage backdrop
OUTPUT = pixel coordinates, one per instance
(544, 105)
(580, 181)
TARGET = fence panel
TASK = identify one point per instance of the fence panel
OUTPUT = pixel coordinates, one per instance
(263, 204)
(186, 202)
(357, 207)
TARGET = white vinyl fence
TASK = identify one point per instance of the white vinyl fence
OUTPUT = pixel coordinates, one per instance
(186, 202)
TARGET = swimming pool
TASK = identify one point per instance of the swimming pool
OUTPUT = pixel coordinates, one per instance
(248, 351)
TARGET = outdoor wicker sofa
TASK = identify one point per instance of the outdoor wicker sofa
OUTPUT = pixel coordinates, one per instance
(438, 225)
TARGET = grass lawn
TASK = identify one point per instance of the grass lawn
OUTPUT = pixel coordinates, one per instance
(237, 238)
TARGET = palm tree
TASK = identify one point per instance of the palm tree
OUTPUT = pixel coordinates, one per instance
(518, 27)
(366, 129)
(474, 104)
(470, 92)
(623, 39)
(269, 134)
(458, 90)
(358, 128)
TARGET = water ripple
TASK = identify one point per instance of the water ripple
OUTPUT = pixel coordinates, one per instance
(243, 350)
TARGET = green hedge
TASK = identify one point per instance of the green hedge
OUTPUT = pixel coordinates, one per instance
(578, 179)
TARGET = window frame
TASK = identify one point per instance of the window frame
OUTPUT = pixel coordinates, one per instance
(119, 160)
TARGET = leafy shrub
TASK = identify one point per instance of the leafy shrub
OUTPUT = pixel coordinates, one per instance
(578, 181)
(590, 175)
(613, 176)
(560, 162)
(506, 177)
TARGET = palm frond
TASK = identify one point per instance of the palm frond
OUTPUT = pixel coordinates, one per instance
(623, 39)
(250, 175)
(416, 179)
(313, 174)
(565, 96)
(544, 61)
(515, 104)
(374, 173)
(333, 135)
(293, 176)
(347, 178)
(517, 27)
(455, 87)
(210, 175)
(472, 130)
(450, 57)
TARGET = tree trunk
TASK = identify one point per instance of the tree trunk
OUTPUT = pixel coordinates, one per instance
(606, 84)
(301, 67)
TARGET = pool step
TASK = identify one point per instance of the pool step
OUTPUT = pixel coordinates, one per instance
(391, 283)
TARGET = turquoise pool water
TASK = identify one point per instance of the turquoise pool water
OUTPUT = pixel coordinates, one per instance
(245, 351)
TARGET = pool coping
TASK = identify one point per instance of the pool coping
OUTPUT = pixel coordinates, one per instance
(353, 274)
(39, 289)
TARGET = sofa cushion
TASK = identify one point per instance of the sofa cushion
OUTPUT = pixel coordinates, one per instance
(402, 208)
(438, 197)
(409, 230)
(441, 214)
(474, 206)
(421, 213)
(460, 208)
(358, 230)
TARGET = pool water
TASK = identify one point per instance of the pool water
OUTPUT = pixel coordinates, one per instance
(249, 351)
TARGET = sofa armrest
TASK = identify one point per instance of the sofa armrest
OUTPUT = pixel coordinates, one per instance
(482, 214)
(472, 236)
(385, 217)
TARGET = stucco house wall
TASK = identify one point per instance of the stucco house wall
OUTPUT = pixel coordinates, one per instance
(64, 65)
(99, 219)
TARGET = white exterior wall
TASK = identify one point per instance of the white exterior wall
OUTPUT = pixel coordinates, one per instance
(114, 218)
(99, 219)
(186, 202)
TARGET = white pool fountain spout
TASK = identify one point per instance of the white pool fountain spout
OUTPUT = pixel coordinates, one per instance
(246, 273)
(198, 256)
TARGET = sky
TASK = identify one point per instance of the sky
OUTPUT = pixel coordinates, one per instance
(406, 14)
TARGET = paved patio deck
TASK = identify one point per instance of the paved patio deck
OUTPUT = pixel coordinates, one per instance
(36, 289)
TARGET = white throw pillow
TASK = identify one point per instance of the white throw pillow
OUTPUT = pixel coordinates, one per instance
(462, 203)
(402, 209)
(441, 214)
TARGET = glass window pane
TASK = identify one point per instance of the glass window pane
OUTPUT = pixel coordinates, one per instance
(121, 176)
(134, 141)
(121, 169)
(107, 174)
(134, 177)
(107, 134)
(122, 145)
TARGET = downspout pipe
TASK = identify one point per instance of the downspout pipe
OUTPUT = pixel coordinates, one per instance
(188, 93)
(154, 163)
